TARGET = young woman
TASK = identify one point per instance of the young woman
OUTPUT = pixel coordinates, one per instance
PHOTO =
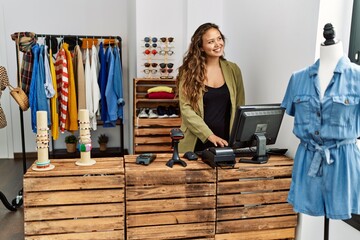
(210, 89)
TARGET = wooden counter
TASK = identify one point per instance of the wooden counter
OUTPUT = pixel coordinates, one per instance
(73, 202)
(193, 202)
(169, 203)
(252, 201)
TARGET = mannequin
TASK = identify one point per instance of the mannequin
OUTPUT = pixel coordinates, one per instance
(326, 171)
(330, 54)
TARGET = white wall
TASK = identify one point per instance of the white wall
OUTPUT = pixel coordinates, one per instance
(270, 42)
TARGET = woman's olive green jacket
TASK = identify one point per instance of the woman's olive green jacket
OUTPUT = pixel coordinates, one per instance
(193, 125)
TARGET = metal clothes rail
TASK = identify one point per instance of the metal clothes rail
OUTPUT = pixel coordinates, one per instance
(18, 201)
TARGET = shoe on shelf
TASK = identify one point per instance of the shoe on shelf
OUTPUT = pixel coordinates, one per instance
(152, 114)
(161, 111)
(143, 113)
(172, 112)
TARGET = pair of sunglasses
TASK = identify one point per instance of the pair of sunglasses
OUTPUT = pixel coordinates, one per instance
(169, 52)
(154, 45)
(147, 52)
(169, 39)
(164, 65)
(154, 65)
(147, 39)
(147, 71)
(164, 70)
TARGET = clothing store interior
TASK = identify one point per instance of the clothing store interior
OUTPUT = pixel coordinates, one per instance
(206, 119)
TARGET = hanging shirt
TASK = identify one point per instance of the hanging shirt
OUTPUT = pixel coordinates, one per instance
(54, 112)
(88, 91)
(326, 171)
(62, 85)
(103, 83)
(94, 69)
(79, 77)
(37, 96)
(118, 81)
(72, 113)
(49, 88)
(109, 91)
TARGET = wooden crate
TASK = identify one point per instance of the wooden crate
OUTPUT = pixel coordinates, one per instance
(73, 202)
(252, 201)
(152, 135)
(170, 203)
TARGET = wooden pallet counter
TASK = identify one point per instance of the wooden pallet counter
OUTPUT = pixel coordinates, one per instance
(170, 203)
(252, 201)
(73, 202)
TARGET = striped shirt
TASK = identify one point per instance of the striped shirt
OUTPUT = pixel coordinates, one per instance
(62, 80)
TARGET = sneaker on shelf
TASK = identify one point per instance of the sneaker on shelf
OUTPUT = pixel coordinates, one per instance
(172, 112)
(161, 111)
(152, 114)
(143, 113)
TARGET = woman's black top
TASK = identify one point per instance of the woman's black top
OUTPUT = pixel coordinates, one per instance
(217, 107)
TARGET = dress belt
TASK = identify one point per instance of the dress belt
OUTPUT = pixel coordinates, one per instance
(322, 152)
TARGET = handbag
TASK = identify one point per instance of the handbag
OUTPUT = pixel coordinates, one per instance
(20, 97)
(16, 92)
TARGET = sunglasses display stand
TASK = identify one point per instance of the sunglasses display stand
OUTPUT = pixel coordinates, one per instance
(158, 52)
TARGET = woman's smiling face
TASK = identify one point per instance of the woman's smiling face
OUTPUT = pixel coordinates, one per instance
(213, 43)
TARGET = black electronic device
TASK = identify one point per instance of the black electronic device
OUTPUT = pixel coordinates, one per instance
(276, 151)
(219, 157)
(190, 156)
(176, 135)
(145, 158)
(256, 125)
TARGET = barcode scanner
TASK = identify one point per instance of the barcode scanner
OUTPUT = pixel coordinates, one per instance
(176, 135)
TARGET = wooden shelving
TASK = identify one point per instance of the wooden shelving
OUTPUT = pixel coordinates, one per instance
(152, 134)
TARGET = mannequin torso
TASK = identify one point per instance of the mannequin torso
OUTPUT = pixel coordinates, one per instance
(329, 57)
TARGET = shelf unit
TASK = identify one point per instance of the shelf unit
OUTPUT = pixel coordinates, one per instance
(152, 135)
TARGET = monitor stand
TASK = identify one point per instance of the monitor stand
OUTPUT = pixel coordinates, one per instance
(260, 156)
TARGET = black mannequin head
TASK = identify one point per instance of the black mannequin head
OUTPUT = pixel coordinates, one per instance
(329, 34)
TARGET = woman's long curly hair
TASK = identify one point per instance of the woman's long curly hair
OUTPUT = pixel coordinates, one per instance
(193, 70)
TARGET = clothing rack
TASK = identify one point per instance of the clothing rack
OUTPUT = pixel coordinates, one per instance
(18, 201)
(119, 43)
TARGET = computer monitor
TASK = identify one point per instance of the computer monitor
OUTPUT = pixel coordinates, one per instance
(256, 125)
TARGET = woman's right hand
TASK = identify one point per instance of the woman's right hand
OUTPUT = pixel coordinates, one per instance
(217, 141)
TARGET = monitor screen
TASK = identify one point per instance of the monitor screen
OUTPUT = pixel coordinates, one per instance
(256, 125)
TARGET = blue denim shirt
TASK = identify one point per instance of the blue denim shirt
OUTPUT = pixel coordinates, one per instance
(336, 116)
(114, 91)
(102, 83)
(37, 96)
(118, 81)
(320, 124)
(328, 129)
